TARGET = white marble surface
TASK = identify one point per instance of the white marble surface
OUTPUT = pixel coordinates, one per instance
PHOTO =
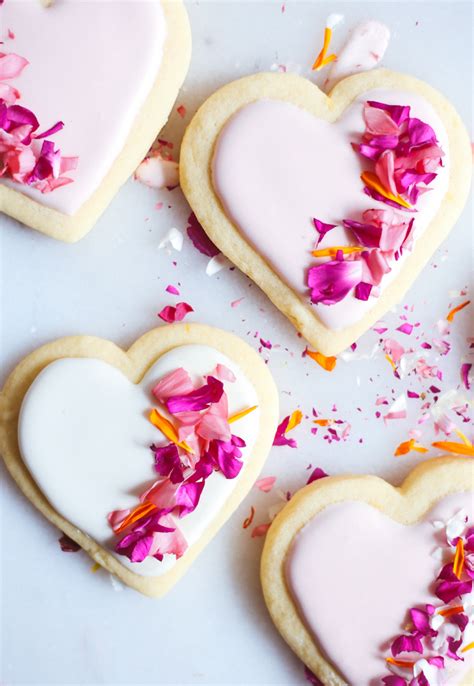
(59, 622)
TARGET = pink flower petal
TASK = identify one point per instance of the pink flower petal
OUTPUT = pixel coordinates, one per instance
(223, 373)
(266, 483)
(177, 382)
(11, 65)
(171, 314)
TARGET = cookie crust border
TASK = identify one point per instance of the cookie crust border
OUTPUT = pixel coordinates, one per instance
(134, 363)
(148, 122)
(427, 484)
(196, 182)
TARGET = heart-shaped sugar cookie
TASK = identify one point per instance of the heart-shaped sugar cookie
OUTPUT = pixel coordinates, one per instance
(351, 559)
(139, 456)
(331, 204)
(108, 73)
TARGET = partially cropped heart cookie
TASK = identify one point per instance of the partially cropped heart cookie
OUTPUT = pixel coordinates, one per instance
(331, 204)
(371, 584)
(139, 456)
(84, 90)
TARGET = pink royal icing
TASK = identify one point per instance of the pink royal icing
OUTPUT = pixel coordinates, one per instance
(92, 66)
(354, 573)
(276, 167)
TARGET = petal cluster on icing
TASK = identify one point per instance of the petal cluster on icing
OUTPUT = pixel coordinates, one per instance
(404, 154)
(22, 158)
(438, 631)
(196, 422)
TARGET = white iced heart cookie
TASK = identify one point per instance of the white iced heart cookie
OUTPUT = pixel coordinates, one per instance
(139, 456)
(372, 584)
(108, 76)
(331, 204)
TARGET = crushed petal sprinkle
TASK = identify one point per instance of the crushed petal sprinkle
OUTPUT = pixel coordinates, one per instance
(452, 313)
(248, 520)
(327, 363)
(409, 446)
(323, 58)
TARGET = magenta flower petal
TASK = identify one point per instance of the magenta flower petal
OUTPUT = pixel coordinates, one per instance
(316, 474)
(465, 369)
(168, 462)
(362, 290)
(420, 133)
(322, 228)
(393, 680)
(398, 113)
(406, 644)
(198, 399)
(199, 238)
(280, 436)
(330, 282)
(188, 495)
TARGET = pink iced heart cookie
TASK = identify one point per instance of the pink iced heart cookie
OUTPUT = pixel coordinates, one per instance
(371, 584)
(331, 204)
(84, 90)
(139, 456)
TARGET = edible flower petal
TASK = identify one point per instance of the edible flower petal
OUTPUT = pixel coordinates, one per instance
(171, 314)
(177, 382)
(198, 399)
(330, 282)
(322, 228)
(199, 238)
(327, 363)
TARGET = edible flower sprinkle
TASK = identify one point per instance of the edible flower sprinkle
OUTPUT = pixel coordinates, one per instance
(405, 155)
(323, 59)
(409, 446)
(437, 632)
(285, 426)
(450, 316)
(22, 158)
(200, 443)
(327, 363)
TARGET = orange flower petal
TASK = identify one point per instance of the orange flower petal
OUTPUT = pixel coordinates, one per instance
(167, 429)
(372, 180)
(327, 363)
(295, 419)
(239, 415)
(323, 422)
(455, 310)
(321, 60)
(451, 611)
(332, 252)
(249, 519)
(455, 448)
(399, 663)
(409, 446)
(137, 513)
(458, 562)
